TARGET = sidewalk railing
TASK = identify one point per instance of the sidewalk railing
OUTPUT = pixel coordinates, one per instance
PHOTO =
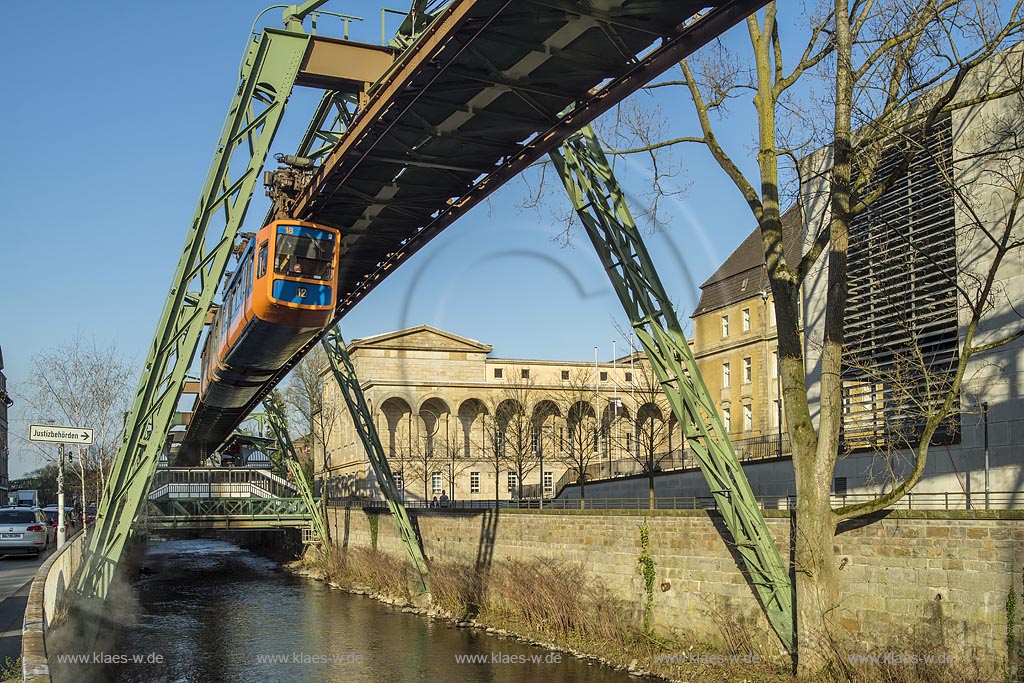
(954, 500)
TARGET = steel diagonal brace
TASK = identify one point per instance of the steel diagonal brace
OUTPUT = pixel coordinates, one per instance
(345, 374)
(278, 424)
(601, 206)
(269, 72)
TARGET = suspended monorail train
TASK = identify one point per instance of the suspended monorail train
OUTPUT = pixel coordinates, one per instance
(281, 295)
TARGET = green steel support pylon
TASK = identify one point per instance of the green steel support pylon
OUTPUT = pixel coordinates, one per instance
(601, 206)
(265, 83)
(345, 374)
(279, 425)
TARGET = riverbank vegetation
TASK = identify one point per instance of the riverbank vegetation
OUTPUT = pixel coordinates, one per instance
(558, 605)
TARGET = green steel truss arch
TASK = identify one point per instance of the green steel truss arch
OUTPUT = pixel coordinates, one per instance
(601, 206)
(362, 418)
(268, 74)
(279, 425)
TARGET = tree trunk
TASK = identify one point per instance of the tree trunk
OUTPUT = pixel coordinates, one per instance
(650, 480)
(583, 492)
(817, 583)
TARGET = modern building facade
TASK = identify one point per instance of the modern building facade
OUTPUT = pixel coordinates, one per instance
(919, 261)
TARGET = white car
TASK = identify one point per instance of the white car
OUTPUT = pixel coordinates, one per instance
(24, 531)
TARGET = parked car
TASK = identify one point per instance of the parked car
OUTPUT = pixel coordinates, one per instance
(90, 513)
(53, 513)
(24, 531)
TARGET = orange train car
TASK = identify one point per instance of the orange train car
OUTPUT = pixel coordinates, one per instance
(281, 295)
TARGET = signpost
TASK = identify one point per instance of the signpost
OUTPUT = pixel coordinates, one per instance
(54, 434)
(60, 435)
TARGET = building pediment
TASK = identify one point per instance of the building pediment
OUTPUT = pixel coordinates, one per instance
(422, 338)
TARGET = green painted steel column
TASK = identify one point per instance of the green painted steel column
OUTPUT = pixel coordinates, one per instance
(345, 374)
(601, 206)
(276, 417)
(266, 81)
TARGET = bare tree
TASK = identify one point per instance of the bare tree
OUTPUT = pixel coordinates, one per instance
(649, 441)
(312, 415)
(875, 80)
(85, 385)
(517, 433)
(577, 400)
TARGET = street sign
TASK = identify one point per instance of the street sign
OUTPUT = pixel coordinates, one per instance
(54, 434)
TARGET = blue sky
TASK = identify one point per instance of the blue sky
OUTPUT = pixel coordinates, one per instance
(110, 119)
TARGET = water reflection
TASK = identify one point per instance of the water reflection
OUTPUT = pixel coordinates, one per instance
(211, 612)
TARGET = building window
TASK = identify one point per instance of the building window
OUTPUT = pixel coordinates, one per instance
(771, 314)
(746, 320)
(629, 443)
(839, 486)
(524, 374)
(901, 303)
(400, 481)
(498, 373)
(549, 483)
(535, 440)
(748, 418)
(565, 375)
(604, 376)
(629, 377)
(727, 419)
(776, 415)
(725, 326)
(774, 369)
(748, 370)
(513, 483)
(725, 375)
(474, 482)
(435, 483)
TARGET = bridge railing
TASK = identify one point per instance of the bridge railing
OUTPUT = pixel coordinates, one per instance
(234, 482)
(235, 508)
(953, 500)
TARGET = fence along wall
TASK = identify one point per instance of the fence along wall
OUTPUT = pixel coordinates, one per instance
(909, 579)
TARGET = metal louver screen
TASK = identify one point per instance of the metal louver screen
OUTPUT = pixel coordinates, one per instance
(901, 316)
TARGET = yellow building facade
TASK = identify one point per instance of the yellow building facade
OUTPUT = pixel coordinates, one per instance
(736, 347)
(455, 422)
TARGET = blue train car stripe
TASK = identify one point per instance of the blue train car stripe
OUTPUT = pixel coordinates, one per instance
(306, 293)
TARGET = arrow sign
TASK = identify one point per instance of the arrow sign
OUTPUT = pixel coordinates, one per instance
(54, 434)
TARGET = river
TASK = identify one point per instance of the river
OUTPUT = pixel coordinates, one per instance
(209, 612)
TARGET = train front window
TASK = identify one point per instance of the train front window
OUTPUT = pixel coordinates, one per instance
(305, 257)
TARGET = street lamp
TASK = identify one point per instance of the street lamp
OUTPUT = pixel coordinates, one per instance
(778, 370)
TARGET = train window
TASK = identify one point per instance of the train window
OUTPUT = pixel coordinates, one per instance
(304, 257)
(262, 269)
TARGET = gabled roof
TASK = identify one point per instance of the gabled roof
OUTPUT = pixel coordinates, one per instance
(422, 337)
(743, 275)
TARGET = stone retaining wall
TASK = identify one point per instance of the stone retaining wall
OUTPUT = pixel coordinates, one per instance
(908, 579)
(45, 601)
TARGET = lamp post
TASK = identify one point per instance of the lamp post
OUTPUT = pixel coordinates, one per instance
(984, 417)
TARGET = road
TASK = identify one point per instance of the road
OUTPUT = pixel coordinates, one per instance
(15, 576)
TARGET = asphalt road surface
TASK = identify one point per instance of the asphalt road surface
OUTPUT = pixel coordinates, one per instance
(16, 574)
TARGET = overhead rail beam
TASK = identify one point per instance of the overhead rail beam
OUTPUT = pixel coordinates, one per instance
(489, 87)
(602, 208)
